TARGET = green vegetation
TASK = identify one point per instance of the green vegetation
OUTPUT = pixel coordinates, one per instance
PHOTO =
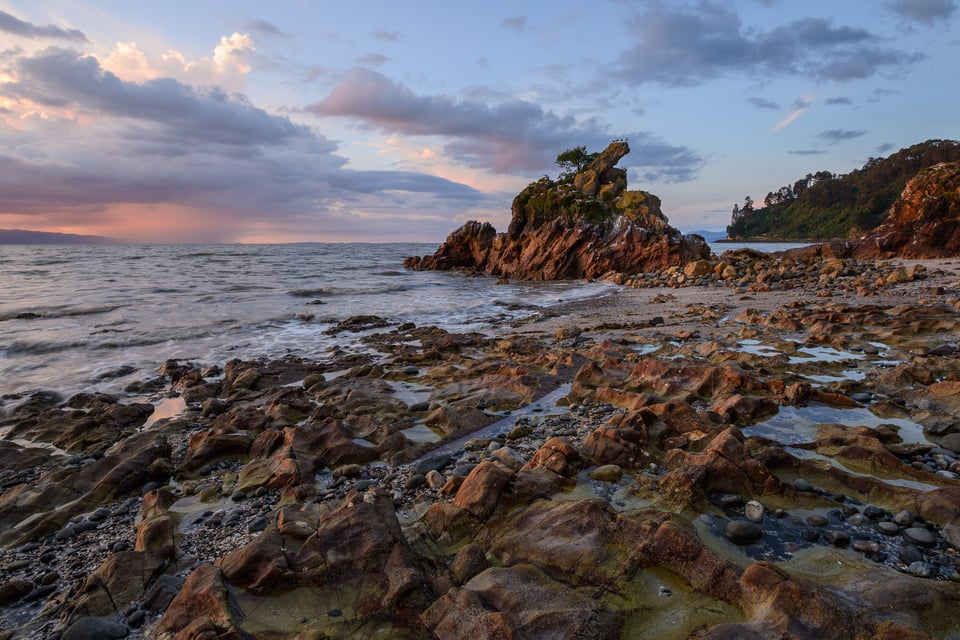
(824, 205)
(574, 160)
(546, 200)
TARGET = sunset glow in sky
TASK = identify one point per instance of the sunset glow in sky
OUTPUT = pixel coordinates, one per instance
(398, 121)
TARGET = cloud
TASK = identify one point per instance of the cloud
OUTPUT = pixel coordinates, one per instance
(838, 100)
(515, 23)
(928, 12)
(690, 45)
(834, 136)
(160, 145)
(264, 28)
(512, 137)
(17, 27)
(387, 36)
(373, 60)
(800, 106)
(806, 152)
(227, 67)
(64, 78)
(886, 147)
(762, 103)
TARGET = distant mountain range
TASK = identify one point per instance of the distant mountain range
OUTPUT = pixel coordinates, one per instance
(22, 236)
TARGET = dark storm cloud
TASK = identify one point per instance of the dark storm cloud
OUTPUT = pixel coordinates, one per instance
(514, 136)
(17, 27)
(763, 103)
(690, 45)
(833, 136)
(925, 11)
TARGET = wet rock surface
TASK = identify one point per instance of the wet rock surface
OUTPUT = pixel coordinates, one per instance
(706, 466)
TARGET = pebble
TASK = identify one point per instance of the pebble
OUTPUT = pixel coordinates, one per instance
(874, 513)
(888, 528)
(922, 569)
(816, 520)
(837, 538)
(754, 511)
(802, 485)
(742, 532)
(904, 518)
(434, 479)
(919, 537)
(92, 628)
(910, 554)
(868, 547)
(607, 473)
(433, 463)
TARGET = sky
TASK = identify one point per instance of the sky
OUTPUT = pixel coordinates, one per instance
(386, 121)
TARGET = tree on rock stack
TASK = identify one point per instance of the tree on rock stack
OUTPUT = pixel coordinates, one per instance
(584, 225)
(572, 161)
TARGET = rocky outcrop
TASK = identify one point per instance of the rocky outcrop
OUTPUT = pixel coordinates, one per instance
(585, 226)
(924, 222)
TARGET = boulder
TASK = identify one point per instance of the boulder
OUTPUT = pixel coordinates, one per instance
(519, 602)
(924, 222)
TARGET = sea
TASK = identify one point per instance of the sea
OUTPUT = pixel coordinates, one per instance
(98, 317)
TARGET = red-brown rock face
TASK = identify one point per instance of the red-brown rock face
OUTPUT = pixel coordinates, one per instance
(583, 228)
(924, 222)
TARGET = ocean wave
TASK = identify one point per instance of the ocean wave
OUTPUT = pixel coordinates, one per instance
(329, 292)
(51, 313)
(20, 348)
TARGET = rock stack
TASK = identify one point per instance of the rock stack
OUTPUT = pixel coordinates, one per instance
(584, 226)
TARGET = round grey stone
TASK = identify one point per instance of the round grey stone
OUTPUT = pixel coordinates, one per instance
(817, 521)
(888, 528)
(742, 532)
(919, 537)
(904, 518)
(837, 538)
(433, 463)
(802, 485)
(95, 629)
(951, 442)
(909, 554)
(873, 512)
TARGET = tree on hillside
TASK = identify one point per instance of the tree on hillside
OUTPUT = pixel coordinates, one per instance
(574, 160)
(828, 205)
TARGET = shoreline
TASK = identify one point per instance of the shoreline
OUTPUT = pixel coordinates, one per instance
(644, 458)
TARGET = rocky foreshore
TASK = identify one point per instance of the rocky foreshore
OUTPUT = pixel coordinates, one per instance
(755, 447)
